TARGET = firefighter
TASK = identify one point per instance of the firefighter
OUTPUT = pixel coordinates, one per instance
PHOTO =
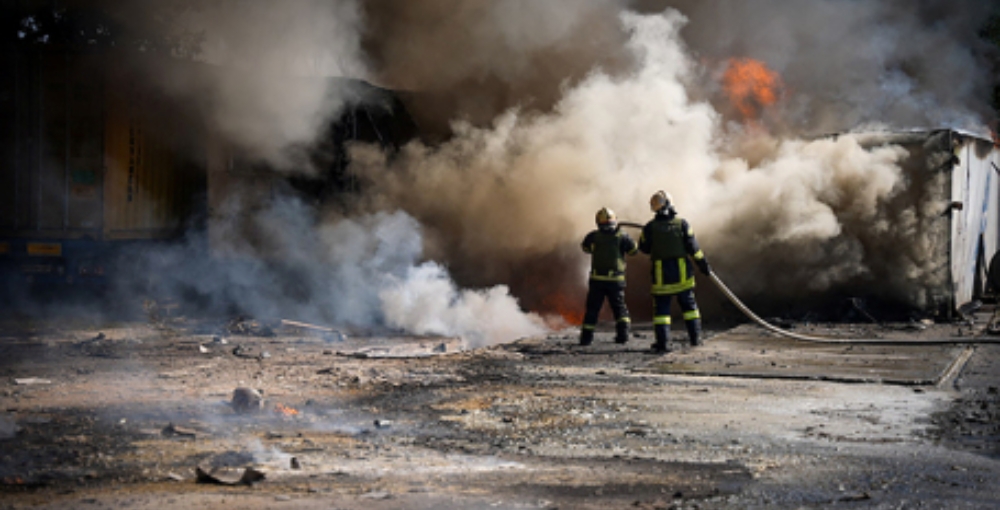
(669, 241)
(607, 246)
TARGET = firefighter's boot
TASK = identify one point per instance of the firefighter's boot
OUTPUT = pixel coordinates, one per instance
(694, 332)
(586, 336)
(621, 332)
(662, 344)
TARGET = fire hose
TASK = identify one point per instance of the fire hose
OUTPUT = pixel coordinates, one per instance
(825, 339)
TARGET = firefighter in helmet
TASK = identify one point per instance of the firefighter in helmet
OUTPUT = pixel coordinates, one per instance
(607, 246)
(669, 241)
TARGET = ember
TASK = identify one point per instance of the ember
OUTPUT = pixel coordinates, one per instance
(751, 86)
(285, 410)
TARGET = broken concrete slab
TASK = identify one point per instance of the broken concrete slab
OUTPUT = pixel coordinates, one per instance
(745, 352)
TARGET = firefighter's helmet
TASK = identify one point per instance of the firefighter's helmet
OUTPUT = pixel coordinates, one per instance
(660, 200)
(605, 217)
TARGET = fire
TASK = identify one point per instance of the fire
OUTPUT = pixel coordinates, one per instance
(566, 307)
(284, 410)
(751, 86)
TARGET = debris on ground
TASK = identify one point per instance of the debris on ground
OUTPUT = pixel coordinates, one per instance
(249, 327)
(246, 400)
(228, 475)
(28, 381)
(172, 430)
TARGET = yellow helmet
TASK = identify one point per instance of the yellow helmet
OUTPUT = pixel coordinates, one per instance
(659, 200)
(605, 217)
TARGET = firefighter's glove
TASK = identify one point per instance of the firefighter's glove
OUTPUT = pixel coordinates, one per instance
(703, 266)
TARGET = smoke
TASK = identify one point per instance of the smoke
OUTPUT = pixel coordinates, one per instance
(363, 272)
(897, 63)
(782, 214)
(543, 112)
(273, 73)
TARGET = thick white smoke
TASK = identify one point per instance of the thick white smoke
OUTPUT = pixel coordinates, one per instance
(275, 75)
(528, 184)
(554, 112)
(365, 272)
(269, 84)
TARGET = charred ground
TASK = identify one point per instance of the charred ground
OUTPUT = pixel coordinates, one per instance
(123, 414)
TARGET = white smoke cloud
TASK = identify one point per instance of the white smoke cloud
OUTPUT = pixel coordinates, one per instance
(270, 83)
(426, 301)
(786, 215)
(556, 112)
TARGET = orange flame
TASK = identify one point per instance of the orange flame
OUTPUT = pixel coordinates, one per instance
(284, 410)
(566, 307)
(751, 86)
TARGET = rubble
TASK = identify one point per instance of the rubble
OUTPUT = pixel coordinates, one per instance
(247, 400)
(731, 424)
(229, 476)
(172, 430)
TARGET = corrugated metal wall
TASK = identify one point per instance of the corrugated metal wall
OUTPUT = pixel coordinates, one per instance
(52, 149)
(974, 227)
(87, 152)
(151, 183)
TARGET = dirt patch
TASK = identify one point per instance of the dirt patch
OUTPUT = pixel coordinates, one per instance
(124, 414)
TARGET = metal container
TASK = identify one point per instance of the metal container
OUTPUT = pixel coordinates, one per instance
(88, 157)
(950, 208)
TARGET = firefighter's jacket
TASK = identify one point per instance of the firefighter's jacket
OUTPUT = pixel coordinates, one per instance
(608, 247)
(669, 241)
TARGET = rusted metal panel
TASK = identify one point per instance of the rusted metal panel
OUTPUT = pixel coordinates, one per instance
(151, 181)
(51, 146)
(88, 152)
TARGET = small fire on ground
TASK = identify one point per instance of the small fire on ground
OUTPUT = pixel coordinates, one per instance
(565, 308)
(284, 410)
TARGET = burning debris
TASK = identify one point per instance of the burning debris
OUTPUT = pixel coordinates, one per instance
(285, 411)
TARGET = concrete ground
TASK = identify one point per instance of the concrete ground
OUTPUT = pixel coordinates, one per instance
(124, 415)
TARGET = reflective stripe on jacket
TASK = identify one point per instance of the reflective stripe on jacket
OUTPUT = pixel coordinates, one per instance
(669, 240)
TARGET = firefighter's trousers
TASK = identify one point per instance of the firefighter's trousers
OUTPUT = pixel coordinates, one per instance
(661, 317)
(597, 293)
